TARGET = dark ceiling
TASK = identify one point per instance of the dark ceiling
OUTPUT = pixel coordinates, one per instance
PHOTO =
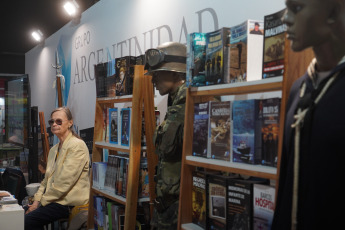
(19, 18)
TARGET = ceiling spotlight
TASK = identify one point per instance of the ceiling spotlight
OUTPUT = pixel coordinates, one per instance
(37, 35)
(71, 7)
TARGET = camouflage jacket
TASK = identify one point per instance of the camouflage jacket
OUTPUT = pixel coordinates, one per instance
(168, 141)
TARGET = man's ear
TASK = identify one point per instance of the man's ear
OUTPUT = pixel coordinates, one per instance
(335, 11)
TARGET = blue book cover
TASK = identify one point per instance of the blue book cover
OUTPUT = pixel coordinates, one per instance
(217, 56)
(125, 126)
(200, 129)
(196, 57)
(247, 116)
(113, 125)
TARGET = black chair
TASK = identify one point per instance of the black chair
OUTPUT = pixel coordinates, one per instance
(14, 182)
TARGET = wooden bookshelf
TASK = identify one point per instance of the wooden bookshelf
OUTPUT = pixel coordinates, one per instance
(295, 66)
(142, 95)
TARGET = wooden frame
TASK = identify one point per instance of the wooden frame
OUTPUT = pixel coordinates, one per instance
(142, 96)
(295, 66)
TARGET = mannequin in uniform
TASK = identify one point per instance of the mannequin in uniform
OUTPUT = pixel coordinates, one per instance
(167, 65)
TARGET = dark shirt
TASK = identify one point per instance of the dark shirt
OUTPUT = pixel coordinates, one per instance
(322, 169)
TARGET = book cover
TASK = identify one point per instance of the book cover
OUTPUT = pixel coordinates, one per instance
(113, 128)
(100, 76)
(107, 125)
(246, 51)
(263, 201)
(99, 169)
(200, 129)
(110, 216)
(270, 131)
(216, 202)
(111, 79)
(273, 46)
(247, 116)
(199, 198)
(196, 57)
(99, 212)
(217, 51)
(125, 126)
(220, 130)
(124, 75)
(108, 174)
(240, 203)
(144, 178)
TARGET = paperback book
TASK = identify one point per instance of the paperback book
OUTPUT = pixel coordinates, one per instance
(240, 203)
(111, 79)
(216, 202)
(199, 198)
(113, 128)
(217, 56)
(263, 201)
(270, 131)
(246, 51)
(124, 75)
(100, 76)
(196, 57)
(125, 126)
(220, 130)
(200, 129)
(274, 43)
(247, 118)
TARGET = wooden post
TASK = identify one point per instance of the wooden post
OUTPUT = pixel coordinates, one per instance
(58, 87)
(135, 150)
(150, 125)
(44, 137)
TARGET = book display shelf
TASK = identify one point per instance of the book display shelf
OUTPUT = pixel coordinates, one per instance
(295, 65)
(142, 95)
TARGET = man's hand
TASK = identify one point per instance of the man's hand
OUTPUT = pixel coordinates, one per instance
(33, 207)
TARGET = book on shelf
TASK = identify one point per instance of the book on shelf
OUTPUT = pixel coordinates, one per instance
(111, 79)
(100, 73)
(125, 126)
(196, 58)
(98, 174)
(240, 202)
(125, 75)
(99, 210)
(263, 201)
(220, 130)
(199, 198)
(246, 51)
(270, 131)
(273, 47)
(247, 139)
(217, 56)
(200, 129)
(143, 178)
(113, 125)
(216, 202)
(105, 155)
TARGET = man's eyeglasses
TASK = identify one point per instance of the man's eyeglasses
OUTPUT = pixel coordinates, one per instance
(56, 121)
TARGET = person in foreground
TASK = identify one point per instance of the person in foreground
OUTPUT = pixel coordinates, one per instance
(312, 166)
(167, 65)
(66, 182)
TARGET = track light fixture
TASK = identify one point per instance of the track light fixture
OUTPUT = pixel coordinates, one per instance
(71, 7)
(37, 35)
